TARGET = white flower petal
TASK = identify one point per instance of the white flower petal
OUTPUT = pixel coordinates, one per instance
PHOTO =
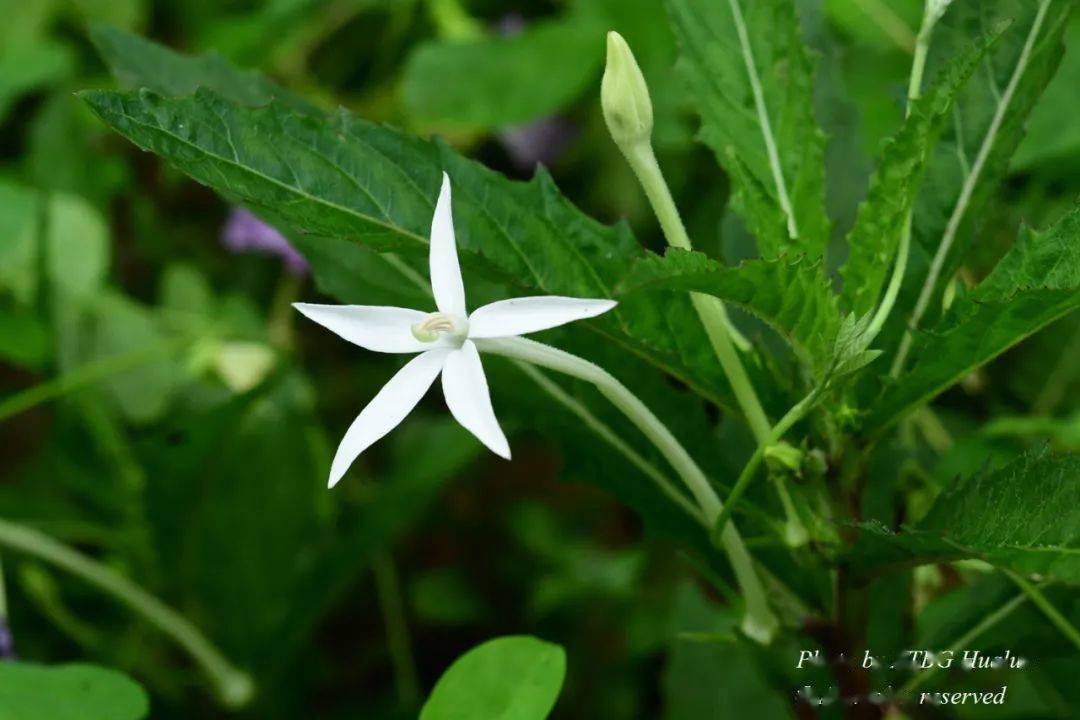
(387, 409)
(467, 396)
(446, 283)
(382, 329)
(530, 314)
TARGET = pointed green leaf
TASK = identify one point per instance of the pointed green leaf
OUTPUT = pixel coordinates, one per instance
(68, 692)
(508, 678)
(1025, 516)
(344, 178)
(730, 49)
(1036, 282)
(793, 296)
(896, 182)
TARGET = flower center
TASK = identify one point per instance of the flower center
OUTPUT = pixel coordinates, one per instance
(438, 323)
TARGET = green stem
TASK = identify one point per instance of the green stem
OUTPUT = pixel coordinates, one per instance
(234, 687)
(388, 589)
(964, 641)
(1052, 613)
(759, 622)
(85, 375)
(709, 309)
(903, 251)
(608, 435)
(796, 413)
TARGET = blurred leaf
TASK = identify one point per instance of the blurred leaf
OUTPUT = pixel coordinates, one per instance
(1037, 282)
(793, 296)
(508, 678)
(121, 326)
(68, 692)
(717, 47)
(896, 181)
(1048, 138)
(30, 64)
(19, 241)
(139, 63)
(885, 23)
(492, 82)
(63, 154)
(343, 177)
(1025, 516)
(442, 596)
(712, 678)
(77, 246)
(24, 339)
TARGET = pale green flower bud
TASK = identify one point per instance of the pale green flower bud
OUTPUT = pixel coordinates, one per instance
(624, 96)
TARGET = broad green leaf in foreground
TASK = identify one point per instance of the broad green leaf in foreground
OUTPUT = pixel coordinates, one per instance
(752, 80)
(1025, 516)
(1036, 282)
(791, 295)
(345, 178)
(896, 182)
(68, 692)
(508, 678)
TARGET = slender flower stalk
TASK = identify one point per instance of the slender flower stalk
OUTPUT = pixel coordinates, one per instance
(759, 621)
(628, 114)
(933, 11)
(234, 687)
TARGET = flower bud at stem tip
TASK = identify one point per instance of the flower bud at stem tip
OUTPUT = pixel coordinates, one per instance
(624, 96)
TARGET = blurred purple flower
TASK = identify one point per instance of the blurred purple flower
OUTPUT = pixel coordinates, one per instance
(243, 232)
(7, 642)
(540, 141)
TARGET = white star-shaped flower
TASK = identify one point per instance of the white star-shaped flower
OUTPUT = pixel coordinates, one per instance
(444, 341)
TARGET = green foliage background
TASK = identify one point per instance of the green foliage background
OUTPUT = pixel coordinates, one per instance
(199, 471)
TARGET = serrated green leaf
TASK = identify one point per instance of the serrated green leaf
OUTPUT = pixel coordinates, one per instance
(140, 63)
(510, 80)
(988, 121)
(718, 61)
(345, 178)
(792, 296)
(1036, 282)
(896, 182)
(1025, 516)
(68, 692)
(509, 678)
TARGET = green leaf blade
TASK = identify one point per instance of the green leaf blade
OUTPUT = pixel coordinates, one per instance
(1024, 517)
(69, 692)
(895, 183)
(508, 678)
(792, 296)
(716, 64)
(1036, 282)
